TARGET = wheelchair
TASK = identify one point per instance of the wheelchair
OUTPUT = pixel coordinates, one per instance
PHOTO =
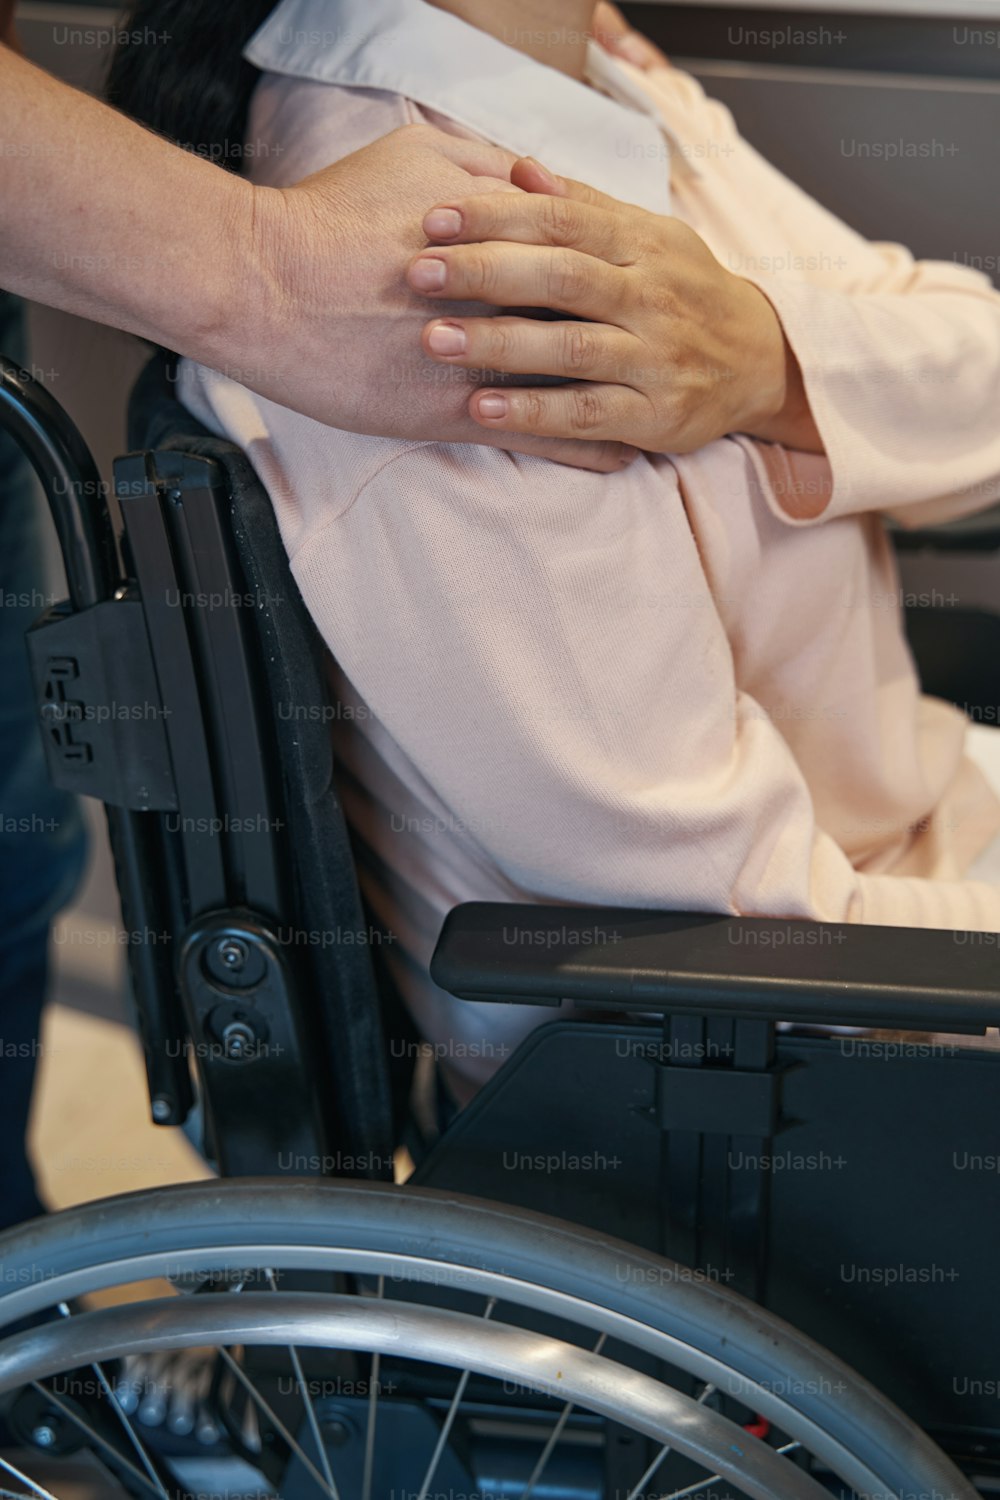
(685, 1242)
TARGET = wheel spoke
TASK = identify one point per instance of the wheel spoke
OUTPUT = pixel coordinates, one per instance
(133, 1436)
(555, 1435)
(276, 1422)
(640, 1487)
(137, 1443)
(456, 1402)
(307, 1401)
(35, 1489)
(692, 1489)
(374, 1373)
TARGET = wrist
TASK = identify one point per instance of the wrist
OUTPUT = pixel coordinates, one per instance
(765, 363)
(236, 306)
(778, 408)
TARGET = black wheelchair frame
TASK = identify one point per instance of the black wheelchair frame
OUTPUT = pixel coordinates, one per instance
(184, 685)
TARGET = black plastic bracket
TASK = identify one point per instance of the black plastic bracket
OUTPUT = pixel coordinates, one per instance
(719, 1101)
(718, 1105)
(251, 1048)
(99, 705)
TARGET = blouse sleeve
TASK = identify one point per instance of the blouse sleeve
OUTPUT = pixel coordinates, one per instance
(900, 357)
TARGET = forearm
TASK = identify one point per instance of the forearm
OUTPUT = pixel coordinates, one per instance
(104, 219)
(905, 388)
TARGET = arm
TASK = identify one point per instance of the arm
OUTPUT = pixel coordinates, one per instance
(109, 219)
(104, 219)
(903, 380)
(899, 358)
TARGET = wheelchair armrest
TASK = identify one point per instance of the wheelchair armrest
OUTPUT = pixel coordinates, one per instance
(976, 533)
(697, 964)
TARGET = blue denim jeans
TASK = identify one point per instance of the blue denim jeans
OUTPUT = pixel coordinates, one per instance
(42, 843)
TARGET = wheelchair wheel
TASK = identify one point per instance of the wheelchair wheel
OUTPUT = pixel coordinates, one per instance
(379, 1342)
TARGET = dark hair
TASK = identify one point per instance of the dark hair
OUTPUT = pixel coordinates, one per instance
(179, 68)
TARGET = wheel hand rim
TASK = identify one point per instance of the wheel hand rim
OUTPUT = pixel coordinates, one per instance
(450, 1339)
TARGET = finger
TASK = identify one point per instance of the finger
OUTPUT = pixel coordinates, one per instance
(444, 222)
(533, 177)
(598, 455)
(575, 411)
(530, 176)
(520, 276)
(521, 218)
(609, 24)
(526, 346)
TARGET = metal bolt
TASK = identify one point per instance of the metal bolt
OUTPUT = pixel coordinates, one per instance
(162, 1109)
(234, 953)
(239, 1040)
(335, 1425)
(43, 1436)
(335, 1432)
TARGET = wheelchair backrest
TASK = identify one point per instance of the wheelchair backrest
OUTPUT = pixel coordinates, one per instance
(195, 703)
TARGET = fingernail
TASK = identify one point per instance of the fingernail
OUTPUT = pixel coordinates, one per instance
(629, 455)
(447, 338)
(443, 224)
(493, 406)
(428, 275)
(553, 179)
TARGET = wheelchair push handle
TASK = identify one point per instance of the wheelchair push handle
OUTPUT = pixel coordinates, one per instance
(68, 474)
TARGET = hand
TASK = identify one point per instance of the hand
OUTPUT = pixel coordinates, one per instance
(338, 335)
(675, 352)
(622, 40)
